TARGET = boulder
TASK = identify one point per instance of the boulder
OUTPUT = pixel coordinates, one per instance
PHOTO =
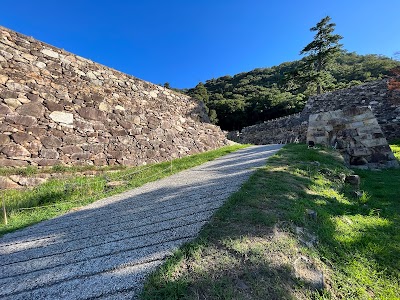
(7, 183)
(15, 151)
(34, 109)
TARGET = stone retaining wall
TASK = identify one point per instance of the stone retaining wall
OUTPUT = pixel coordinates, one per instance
(59, 108)
(384, 103)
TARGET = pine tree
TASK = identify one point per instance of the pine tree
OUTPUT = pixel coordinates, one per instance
(321, 53)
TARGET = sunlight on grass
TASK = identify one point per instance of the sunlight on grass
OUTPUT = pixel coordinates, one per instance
(58, 196)
(264, 228)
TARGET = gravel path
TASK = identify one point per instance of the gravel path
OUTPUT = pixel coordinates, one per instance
(106, 249)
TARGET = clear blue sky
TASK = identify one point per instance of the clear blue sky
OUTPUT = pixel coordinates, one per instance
(184, 42)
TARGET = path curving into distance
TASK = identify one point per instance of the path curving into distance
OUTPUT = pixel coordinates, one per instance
(106, 249)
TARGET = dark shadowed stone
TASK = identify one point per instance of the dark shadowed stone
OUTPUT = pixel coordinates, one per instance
(22, 137)
(14, 150)
(358, 161)
(51, 141)
(27, 121)
(353, 180)
(49, 154)
(33, 97)
(80, 156)
(34, 109)
(91, 113)
(53, 106)
(118, 132)
(125, 124)
(4, 109)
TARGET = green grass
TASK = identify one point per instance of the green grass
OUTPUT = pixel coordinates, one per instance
(252, 247)
(396, 148)
(58, 196)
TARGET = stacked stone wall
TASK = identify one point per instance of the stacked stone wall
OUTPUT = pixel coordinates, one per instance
(384, 103)
(278, 131)
(59, 108)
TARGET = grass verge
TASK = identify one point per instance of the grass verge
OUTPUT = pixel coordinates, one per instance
(56, 196)
(294, 231)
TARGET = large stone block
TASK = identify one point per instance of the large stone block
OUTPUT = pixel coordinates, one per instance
(14, 151)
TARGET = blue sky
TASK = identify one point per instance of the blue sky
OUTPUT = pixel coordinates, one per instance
(184, 42)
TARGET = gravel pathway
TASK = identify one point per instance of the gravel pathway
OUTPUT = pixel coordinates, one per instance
(106, 249)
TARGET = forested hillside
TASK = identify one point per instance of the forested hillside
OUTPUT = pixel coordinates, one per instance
(267, 93)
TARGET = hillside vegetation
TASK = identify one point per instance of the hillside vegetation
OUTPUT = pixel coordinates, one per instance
(266, 93)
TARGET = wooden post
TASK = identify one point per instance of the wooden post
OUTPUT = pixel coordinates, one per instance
(4, 212)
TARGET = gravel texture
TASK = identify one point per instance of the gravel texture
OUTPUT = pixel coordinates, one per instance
(106, 249)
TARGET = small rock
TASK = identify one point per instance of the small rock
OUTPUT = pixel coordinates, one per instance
(311, 214)
(353, 180)
(114, 184)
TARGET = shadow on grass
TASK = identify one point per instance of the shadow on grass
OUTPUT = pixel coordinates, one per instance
(358, 242)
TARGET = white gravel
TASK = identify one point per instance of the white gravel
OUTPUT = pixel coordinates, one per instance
(106, 250)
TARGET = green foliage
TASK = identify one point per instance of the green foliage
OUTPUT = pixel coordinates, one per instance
(321, 53)
(57, 196)
(267, 93)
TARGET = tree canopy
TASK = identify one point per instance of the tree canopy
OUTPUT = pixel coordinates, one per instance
(266, 93)
(321, 53)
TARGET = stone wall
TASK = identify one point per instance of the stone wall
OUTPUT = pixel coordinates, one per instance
(59, 108)
(355, 132)
(278, 131)
(384, 103)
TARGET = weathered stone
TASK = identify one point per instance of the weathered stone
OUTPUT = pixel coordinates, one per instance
(4, 139)
(3, 79)
(13, 103)
(12, 163)
(40, 65)
(91, 113)
(119, 108)
(22, 137)
(34, 109)
(80, 156)
(31, 181)
(49, 154)
(48, 162)
(71, 149)
(70, 110)
(62, 117)
(15, 151)
(353, 180)
(103, 106)
(50, 142)
(50, 53)
(6, 183)
(53, 106)
(4, 110)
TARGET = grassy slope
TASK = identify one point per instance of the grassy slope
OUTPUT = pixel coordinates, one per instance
(59, 196)
(253, 245)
